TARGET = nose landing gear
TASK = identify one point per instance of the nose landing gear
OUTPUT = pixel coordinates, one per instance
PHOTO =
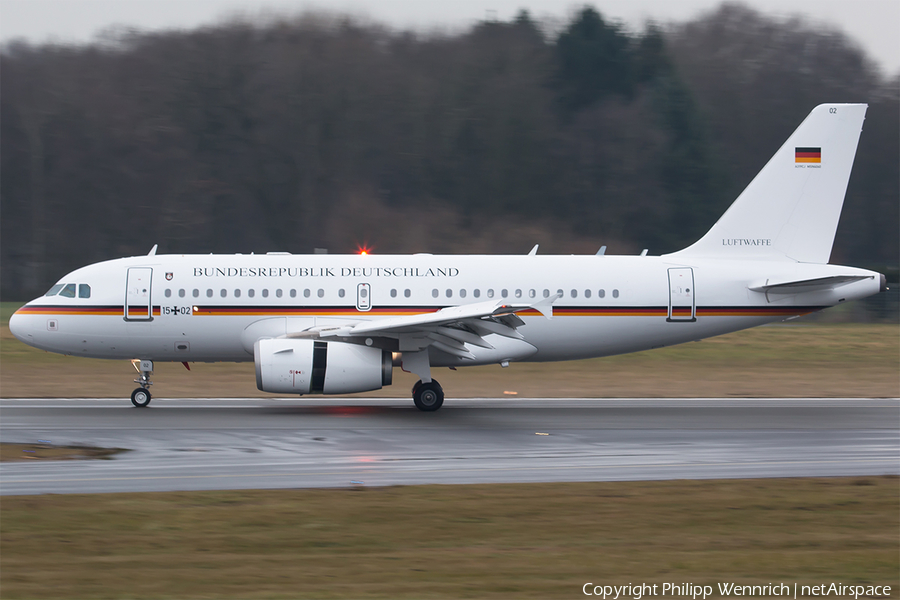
(141, 396)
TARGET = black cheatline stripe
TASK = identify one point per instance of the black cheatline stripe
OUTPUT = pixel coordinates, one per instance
(808, 150)
(78, 306)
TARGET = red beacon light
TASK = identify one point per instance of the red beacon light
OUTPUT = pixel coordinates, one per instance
(363, 250)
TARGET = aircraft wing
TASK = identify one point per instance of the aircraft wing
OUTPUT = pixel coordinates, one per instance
(448, 329)
(806, 285)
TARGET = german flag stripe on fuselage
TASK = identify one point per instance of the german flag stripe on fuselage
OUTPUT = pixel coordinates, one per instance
(329, 311)
(56, 309)
(400, 311)
(755, 311)
(311, 311)
(558, 311)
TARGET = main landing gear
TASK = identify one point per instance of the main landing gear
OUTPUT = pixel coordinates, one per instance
(428, 396)
(141, 396)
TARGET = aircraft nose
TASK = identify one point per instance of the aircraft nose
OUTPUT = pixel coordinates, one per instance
(18, 327)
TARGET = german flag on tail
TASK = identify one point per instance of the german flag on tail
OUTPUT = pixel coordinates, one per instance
(807, 155)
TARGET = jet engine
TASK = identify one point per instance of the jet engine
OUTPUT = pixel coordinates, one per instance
(295, 366)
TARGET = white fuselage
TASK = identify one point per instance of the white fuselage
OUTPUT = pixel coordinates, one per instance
(214, 307)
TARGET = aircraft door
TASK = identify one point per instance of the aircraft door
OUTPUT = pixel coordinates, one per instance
(681, 295)
(137, 294)
(363, 296)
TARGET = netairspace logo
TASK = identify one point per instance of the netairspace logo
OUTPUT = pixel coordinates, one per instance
(694, 591)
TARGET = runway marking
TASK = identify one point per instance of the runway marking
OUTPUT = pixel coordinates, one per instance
(472, 470)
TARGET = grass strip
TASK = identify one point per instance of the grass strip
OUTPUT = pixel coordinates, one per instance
(24, 452)
(480, 541)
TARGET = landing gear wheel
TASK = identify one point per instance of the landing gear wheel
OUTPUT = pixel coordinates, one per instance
(428, 396)
(140, 397)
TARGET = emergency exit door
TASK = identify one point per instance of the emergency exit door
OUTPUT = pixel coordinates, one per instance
(137, 294)
(681, 295)
(363, 296)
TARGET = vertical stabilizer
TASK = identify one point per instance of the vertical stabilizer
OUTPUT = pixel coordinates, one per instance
(791, 208)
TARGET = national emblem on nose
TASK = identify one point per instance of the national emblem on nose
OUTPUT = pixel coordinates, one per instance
(168, 277)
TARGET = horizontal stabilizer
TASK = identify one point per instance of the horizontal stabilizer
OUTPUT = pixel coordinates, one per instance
(807, 285)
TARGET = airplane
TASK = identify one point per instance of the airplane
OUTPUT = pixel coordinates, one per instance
(339, 324)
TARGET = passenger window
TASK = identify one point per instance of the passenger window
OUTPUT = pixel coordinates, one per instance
(615, 293)
(68, 291)
(602, 293)
(407, 293)
(561, 293)
(504, 293)
(251, 292)
(168, 293)
(84, 290)
(54, 290)
(209, 293)
(434, 293)
(293, 293)
(574, 293)
(587, 293)
(449, 293)
(546, 293)
(476, 292)
(532, 293)
(518, 293)
(393, 293)
(265, 293)
(237, 293)
(490, 293)
(278, 293)
(181, 293)
(320, 293)
(341, 293)
(462, 293)
(196, 293)
(306, 293)
(223, 293)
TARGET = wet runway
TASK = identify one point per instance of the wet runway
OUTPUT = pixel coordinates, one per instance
(289, 443)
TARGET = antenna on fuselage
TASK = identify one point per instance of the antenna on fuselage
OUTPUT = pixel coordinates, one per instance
(601, 251)
(644, 252)
(153, 250)
(534, 250)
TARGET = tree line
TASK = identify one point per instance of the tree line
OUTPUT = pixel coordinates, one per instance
(328, 132)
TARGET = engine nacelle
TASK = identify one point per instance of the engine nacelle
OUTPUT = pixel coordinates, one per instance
(291, 366)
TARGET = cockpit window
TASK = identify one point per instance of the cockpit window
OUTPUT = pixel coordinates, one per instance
(68, 291)
(84, 290)
(54, 290)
